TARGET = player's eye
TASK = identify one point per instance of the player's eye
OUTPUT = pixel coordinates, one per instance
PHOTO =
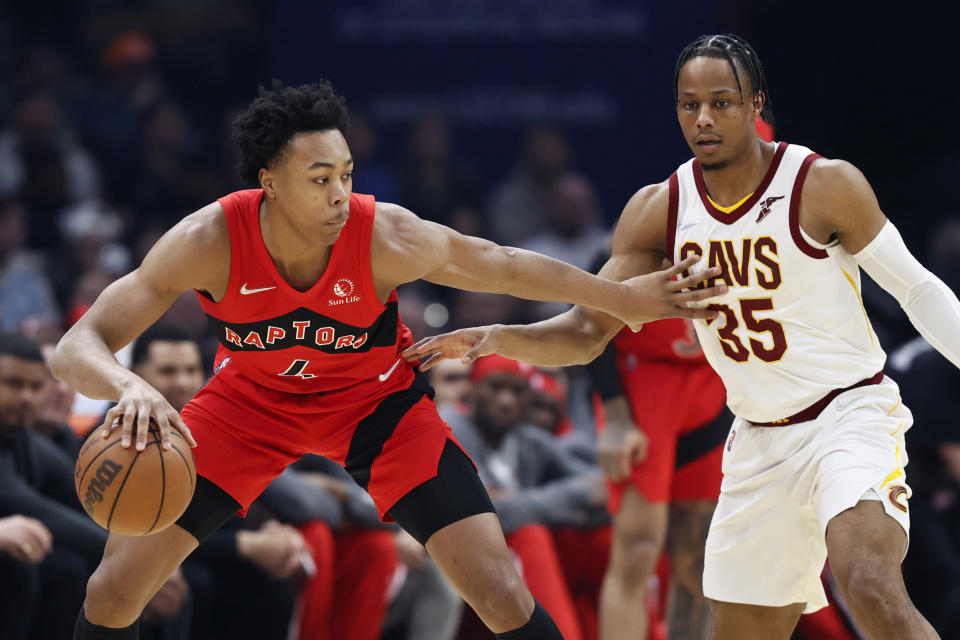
(323, 180)
(689, 106)
(722, 104)
(348, 175)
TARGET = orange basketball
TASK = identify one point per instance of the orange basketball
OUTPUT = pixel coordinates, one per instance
(132, 492)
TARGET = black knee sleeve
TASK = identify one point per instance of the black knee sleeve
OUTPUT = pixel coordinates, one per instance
(86, 630)
(540, 626)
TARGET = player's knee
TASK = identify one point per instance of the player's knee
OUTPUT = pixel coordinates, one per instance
(636, 561)
(509, 600)
(868, 587)
(112, 601)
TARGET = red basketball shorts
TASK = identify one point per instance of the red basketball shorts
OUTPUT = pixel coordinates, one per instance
(247, 434)
(681, 409)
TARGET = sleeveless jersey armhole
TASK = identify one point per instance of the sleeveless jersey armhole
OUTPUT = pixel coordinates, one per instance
(231, 213)
(799, 238)
(368, 212)
(673, 210)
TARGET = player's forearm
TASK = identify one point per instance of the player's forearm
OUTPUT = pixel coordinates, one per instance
(84, 361)
(564, 340)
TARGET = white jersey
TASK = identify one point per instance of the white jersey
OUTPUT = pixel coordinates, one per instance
(792, 326)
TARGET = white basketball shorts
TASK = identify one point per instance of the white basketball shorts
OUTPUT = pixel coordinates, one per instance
(782, 485)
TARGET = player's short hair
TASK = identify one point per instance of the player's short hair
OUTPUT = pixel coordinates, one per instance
(19, 347)
(265, 129)
(159, 332)
(739, 54)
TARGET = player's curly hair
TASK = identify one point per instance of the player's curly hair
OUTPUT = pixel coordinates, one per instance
(738, 53)
(265, 129)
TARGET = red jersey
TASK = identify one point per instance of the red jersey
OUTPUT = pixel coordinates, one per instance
(672, 340)
(336, 336)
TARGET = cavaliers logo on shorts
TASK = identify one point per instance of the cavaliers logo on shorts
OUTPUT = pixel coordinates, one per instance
(894, 496)
(733, 434)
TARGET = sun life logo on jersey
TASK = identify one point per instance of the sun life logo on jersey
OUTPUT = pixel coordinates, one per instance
(343, 288)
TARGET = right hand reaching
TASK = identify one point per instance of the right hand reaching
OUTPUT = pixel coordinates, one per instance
(666, 294)
(139, 402)
(465, 344)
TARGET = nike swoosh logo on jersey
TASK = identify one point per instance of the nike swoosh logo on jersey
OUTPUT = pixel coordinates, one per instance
(245, 292)
(383, 376)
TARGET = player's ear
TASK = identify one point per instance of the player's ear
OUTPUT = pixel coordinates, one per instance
(266, 182)
(758, 101)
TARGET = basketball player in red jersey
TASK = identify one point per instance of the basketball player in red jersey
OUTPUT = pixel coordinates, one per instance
(665, 424)
(814, 464)
(298, 279)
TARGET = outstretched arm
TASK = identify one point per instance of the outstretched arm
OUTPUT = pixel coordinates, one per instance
(408, 248)
(842, 204)
(194, 254)
(580, 334)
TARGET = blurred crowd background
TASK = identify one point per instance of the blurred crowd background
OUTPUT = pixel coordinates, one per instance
(530, 123)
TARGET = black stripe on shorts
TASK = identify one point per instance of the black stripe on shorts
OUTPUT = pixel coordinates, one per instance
(696, 444)
(373, 431)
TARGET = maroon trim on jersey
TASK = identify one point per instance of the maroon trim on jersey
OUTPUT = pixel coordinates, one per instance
(798, 239)
(813, 411)
(673, 210)
(739, 212)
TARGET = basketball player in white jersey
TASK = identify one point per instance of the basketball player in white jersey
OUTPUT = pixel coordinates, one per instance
(814, 462)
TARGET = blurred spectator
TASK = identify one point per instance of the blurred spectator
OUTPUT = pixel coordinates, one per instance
(572, 231)
(25, 290)
(533, 482)
(53, 419)
(36, 480)
(111, 115)
(353, 555)
(431, 183)
(24, 543)
(930, 386)
(370, 176)
(44, 167)
(518, 207)
(451, 384)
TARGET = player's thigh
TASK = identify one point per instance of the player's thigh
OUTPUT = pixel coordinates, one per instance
(734, 621)
(866, 545)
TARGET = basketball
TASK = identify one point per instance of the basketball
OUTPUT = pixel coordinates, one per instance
(130, 492)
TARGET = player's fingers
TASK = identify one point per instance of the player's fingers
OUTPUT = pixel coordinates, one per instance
(694, 313)
(143, 426)
(692, 280)
(184, 430)
(418, 349)
(109, 421)
(696, 295)
(680, 267)
(126, 431)
(427, 363)
(163, 423)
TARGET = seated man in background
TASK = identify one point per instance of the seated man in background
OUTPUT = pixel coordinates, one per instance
(36, 480)
(533, 482)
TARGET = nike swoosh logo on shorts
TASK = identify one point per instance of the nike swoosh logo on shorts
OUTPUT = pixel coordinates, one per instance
(245, 292)
(383, 376)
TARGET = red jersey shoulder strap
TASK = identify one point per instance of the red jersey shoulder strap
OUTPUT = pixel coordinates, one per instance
(241, 210)
(364, 207)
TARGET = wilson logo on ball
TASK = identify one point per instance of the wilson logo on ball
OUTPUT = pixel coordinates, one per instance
(102, 479)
